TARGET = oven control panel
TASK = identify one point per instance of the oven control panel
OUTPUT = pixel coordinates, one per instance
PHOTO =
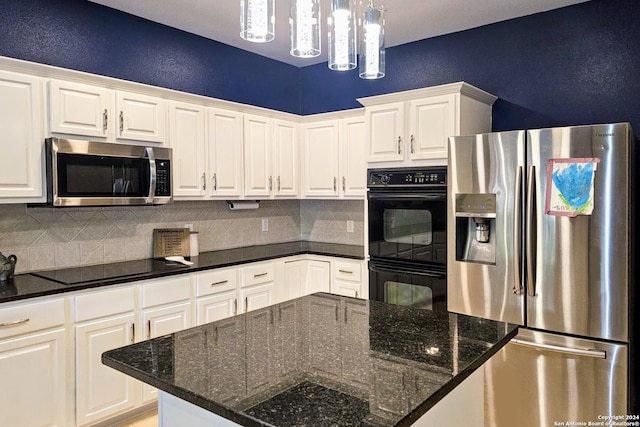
(407, 177)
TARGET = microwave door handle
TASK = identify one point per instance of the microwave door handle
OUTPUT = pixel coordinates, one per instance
(148, 151)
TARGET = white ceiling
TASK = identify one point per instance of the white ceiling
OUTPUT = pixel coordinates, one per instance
(406, 20)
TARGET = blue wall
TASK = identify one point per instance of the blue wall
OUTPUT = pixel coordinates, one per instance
(579, 64)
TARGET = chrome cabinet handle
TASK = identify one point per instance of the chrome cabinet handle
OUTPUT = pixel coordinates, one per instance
(235, 306)
(121, 122)
(346, 271)
(270, 183)
(344, 183)
(219, 283)
(214, 182)
(148, 329)
(246, 304)
(517, 286)
(204, 181)
(104, 120)
(412, 142)
(335, 184)
(14, 322)
(133, 333)
(598, 354)
(259, 275)
(278, 183)
(399, 145)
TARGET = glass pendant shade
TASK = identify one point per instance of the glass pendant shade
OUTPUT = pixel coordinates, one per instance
(372, 52)
(305, 28)
(342, 35)
(257, 20)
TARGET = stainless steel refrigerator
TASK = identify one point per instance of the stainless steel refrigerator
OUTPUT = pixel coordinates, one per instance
(539, 234)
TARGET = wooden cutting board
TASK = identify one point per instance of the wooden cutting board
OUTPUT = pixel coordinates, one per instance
(170, 242)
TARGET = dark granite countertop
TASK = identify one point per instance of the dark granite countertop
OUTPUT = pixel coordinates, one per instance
(317, 360)
(50, 282)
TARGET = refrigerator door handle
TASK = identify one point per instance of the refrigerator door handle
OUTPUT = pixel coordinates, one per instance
(598, 354)
(530, 232)
(517, 286)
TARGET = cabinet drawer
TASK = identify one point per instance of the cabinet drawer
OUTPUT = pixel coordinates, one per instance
(256, 274)
(165, 291)
(348, 270)
(29, 317)
(104, 303)
(216, 281)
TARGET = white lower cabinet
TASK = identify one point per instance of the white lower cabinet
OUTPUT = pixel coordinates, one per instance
(32, 364)
(216, 295)
(347, 278)
(257, 286)
(104, 320)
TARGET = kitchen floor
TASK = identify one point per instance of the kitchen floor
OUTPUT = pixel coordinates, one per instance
(150, 419)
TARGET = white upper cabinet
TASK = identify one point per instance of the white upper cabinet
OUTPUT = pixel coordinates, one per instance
(224, 145)
(187, 141)
(80, 109)
(320, 146)
(21, 121)
(258, 179)
(334, 158)
(413, 127)
(86, 110)
(286, 159)
(140, 117)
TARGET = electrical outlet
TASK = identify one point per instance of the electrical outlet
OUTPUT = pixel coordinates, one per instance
(265, 224)
(349, 226)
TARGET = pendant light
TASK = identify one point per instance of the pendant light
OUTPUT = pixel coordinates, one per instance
(257, 20)
(342, 35)
(305, 28)
(372, 52)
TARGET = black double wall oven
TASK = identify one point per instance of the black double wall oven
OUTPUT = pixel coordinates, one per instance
(407, 219)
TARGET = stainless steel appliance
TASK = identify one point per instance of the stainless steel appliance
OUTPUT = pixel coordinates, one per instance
(539, 235)
(90, 173)
(407, 236)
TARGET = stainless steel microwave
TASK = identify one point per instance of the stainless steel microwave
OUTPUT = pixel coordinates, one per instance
(91, 173)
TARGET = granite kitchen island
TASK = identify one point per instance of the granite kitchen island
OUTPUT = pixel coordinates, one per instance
(318, 360)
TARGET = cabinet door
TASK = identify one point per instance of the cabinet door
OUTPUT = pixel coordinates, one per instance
(259, 354)
(353, 154)
(286, 340)
(22, 136)
(258, 180)
(140, 117)
(32, 368)
(163, 321)
(323, 355)
(102, 392)
(294, 279)
(225, 152)
(286, 159)
(355, 343)
(432, 122)
(186, 139)
(388, 395)
(385, 132)
(320, 159)
(347, 278)
(80, 109)
(257, 296)
(217, 307)
(318, 277)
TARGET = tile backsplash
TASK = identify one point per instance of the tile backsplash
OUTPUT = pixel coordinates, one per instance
(46, 238)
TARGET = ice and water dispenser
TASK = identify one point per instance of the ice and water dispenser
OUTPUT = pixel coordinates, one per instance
(475, 217)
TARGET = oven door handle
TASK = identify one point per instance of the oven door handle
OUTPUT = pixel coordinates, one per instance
(407, 196)
(377, 269)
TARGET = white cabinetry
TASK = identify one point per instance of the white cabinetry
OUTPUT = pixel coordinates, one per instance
(216, 295)
(333, 161)
(224, 146)
(21, 118)
(32, 364)
(166, 308)
(348, 278)
(270, 157)
(187, 140)
(413, 127)
(257, 286)
(104, 320)
(87, 110)
(303, 277)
